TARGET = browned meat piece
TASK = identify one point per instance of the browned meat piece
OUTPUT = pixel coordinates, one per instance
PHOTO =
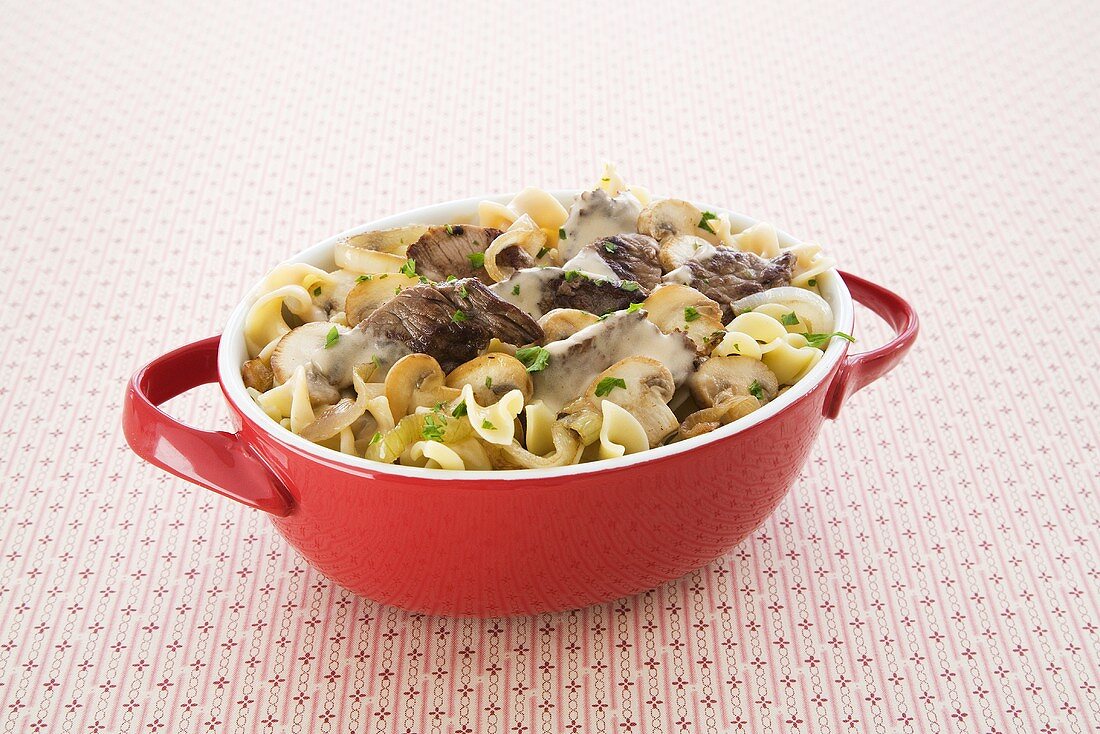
(573, 289)
(631, 257)
(452, 322)
(729, 275)
(446, 251)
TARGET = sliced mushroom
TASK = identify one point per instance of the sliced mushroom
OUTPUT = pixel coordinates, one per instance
(720, 378)
(296, 349)
(562, 323)
(491, 376)
(416, 381)
(670, 217)
(642, 386)
(708, 419)
(678, 249)
(453, 322)
(453, 250)
(395, 241)
(675, 307)
(371, 291)
(257, 375)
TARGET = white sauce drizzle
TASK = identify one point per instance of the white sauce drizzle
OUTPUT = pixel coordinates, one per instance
(595, 214)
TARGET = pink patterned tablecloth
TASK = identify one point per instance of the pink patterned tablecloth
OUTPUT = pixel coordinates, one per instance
(936, 567)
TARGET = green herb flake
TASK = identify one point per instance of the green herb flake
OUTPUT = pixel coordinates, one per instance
(606, 180)
(571, 275)
(561, 233)
(704, 223)
(450, 229)
(488, 383)
(434, 427)
(409, 268)
(459, 316)
(477, 259)
(811, 282)
(462, 292)
(634, 307)
(789, 319)
(383, 276)
(460, 410)
(317, 291)
(487, 425)
(756, 390)
(362, 278)
(332, 337)
(377, 361)
(610, 246)
(542, 253)
(607, 384)
(375, 438)
(451, 277)
(629, 285)
(515, 289)
(534, 359)
(818, 340)
(423, 279)
(396, 289)
(691, 314)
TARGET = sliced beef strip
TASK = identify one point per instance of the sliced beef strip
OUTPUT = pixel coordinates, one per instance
(451, 321)
(573, 289)
(446, 250)
(631, 257)
(728, 275)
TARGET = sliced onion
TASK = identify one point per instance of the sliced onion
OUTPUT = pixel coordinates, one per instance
(811, 309)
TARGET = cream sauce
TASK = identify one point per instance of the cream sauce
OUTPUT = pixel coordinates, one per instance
(596, 214)
(355, 347)
(576, 361)
(591, 262)
(525, 288)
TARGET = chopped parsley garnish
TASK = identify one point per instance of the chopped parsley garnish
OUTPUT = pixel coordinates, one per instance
(362, 278)
(317, 291)
(477, 259)
(634, 307)
(605, 180)
(375, 438)
(449, 228)
(534, 359)
(409, 268)
(561, 233)
(816, 340)
(488, 383)
(691, 313)
(459, 316)
(451, 277)
(571, 275)
(610, 246)
(332, 337)
(515, 289)
(396, 289)
(434, 426)
(704, 223)
(383, 276)
(789, 319)
(423, 279)
(460, 410)
(487, 425)
(377, 360)
(462, 292)
(629, 285)
(607, 384)
(756, 390)
(542, 253)
(811, 282)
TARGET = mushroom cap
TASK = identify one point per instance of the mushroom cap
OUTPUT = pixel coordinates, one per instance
(416, 380)
(707, 419)
(649, 386)
(296, 349)
(678, 249)
(720, 378)
(669, 217)
(491, 376)
(394, 241)
(562, 323)
(367, 295)
(668, 308)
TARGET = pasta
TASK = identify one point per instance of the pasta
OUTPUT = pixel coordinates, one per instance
(541, 336)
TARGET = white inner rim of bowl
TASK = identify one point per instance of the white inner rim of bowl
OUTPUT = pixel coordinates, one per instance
(232, 354)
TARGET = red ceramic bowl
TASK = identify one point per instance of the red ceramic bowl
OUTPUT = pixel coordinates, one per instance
(505, 542)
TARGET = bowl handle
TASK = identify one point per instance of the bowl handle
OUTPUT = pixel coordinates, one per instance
(213, 459)
(859, 370)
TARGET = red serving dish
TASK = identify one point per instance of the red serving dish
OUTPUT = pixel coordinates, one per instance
(505, 542)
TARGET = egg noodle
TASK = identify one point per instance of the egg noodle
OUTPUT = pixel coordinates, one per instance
(534, 335)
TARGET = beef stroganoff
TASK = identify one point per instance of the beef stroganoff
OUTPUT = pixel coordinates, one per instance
(538, 336)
